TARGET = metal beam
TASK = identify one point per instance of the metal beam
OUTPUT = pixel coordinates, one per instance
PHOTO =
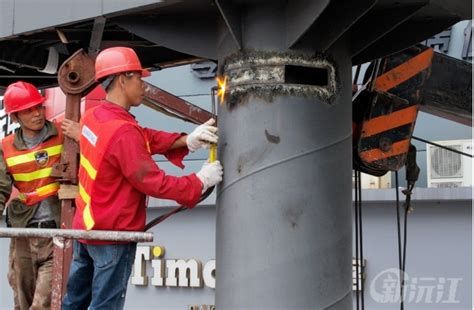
(23, 55)
(341, 15)
(364, 32)
(96, 36)
(167, 103)
(192, 35)
(231, 15)
(76, 79)
(396, 40)
(448, 91)
(300, 15)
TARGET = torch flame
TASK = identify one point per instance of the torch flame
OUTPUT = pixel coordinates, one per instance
(221, 85)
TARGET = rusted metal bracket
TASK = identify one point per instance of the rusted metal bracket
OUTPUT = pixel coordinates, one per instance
(169, 104)
(76, 78)
(96, 36)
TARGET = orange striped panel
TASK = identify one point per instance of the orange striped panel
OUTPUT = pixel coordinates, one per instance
(398, 148)
(405, 71)
(389, 121)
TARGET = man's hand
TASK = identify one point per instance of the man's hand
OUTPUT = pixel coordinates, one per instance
(202, 136)
(71, 129)
(210, 174)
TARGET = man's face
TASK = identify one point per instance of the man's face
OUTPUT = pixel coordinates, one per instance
(134, 88)
(32, 119)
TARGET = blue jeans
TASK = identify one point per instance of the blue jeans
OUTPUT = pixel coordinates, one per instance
(99, 276)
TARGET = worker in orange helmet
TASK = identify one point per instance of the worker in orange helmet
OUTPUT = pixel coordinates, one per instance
(117, 172)
(26, 162)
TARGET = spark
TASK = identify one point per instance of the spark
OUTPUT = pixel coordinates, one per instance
(221, 88)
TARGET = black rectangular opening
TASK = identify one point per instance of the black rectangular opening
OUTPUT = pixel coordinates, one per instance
(306, 75)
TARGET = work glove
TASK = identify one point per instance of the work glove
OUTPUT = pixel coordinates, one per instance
(210, 174)
(202, 136)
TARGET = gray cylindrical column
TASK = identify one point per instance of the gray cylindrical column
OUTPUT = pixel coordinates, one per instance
(283, 210)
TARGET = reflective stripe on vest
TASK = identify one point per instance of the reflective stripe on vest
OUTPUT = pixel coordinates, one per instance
(94, 141)
(31, 169)
(91, 171)
(39, 192)
(26, 158)
(31, 176)
(86, 213)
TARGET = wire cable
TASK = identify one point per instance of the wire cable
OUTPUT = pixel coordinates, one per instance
(163, 217)
(400, 265)
(405, 233)
(398, 222)
(356, 224)
(361, 244)
(442, 146)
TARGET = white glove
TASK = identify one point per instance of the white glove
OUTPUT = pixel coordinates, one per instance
(202, 136)
(210, 174)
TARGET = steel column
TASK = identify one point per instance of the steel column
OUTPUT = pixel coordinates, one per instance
(76, 79)
(283, 210)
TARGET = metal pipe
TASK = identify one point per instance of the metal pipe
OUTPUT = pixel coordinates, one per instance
(109, 235)
(283, 234)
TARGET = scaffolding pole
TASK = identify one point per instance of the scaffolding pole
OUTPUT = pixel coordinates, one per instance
(108, 235)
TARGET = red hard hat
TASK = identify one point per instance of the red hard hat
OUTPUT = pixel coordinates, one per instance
(117, 60)
(20, 96)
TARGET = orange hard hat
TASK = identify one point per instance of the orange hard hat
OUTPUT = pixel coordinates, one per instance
(20, 96)
(117, 60)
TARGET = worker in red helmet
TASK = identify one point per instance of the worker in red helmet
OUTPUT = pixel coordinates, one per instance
(117, 172)
(26, 162)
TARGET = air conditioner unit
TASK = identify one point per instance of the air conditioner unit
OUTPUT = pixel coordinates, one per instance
(447, 169)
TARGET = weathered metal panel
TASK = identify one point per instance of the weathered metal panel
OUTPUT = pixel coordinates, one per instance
(111, 6)
(386, 20)
(448, 91)
(6, 17)
(301, 14)
(192, 35)
(33, 15)
(37, 14)
(341, 15)
(406, 34)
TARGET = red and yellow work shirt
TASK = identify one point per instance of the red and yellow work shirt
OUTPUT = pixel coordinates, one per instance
(117, 171)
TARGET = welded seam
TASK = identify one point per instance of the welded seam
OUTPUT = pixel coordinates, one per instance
(282, 161)
(262, 74)
(337, 300)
